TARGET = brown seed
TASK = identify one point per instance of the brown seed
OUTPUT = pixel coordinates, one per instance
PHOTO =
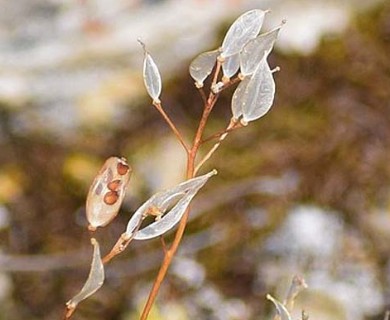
(111, 197)
(122, 168)
(114, 185)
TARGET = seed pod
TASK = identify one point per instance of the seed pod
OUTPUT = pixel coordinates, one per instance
(245, 28)
(94, 282)
(254, 51)
(254, 96)
(107, 191)
(152, 77)
(230, 66)
(176, 198)
(202, 66)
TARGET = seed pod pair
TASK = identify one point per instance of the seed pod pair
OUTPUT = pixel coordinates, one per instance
(107, 191)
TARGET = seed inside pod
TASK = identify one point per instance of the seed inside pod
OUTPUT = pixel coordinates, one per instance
(114, 185)
(110, 197)
(122, 168)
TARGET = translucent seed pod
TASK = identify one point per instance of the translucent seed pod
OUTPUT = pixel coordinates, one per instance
(230, 66)
(238, 98)
(202, 66)
(107, 192)
(260, 93)
(94, 282)
(254, 51)
(152, 77)
(177, 199)
(254, 96)
(244, 28)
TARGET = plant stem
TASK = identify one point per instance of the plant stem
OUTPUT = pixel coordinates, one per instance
(192, 152)
(172, 126)
(190, 172)
(122, 242)
(222, 137)
(203, 95)
(220, 133)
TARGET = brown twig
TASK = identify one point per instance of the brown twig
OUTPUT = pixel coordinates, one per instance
(123, 242)
(163, 244)
(230, 83)
(190, 173)
(216, 73)
(168, 120)
(203, 95)
(232, 125)
(222, 132)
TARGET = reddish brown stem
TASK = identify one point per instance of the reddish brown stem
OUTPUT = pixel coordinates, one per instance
(163, 244)
(170, 253)
(168, 120)
(122, 243)
(231, 82)
(203, 95)
(222, 132)
(230, 127)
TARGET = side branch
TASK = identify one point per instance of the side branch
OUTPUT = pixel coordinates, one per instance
(122, 243)
(232, 125)
(226, 130)
(178, 135)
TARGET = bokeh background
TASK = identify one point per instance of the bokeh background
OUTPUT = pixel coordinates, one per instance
(304, 190)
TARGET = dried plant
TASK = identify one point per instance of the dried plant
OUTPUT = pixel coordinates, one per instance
(242, 60)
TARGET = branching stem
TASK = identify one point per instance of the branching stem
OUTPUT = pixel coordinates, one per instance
(122, 243)
(230, 127)
(190, 173)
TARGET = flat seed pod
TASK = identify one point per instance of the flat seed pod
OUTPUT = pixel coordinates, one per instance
(107, 191)
(259, 94)
(177, 198)
(202, 65)
(95, 278)
(238, 98)
(280, 308)
(255, 97)
(152, 78)
(255, 50)
(246, 27)
(231, 65)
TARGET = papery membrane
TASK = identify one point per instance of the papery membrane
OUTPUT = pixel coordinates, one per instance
(255, 50)
(95, 278)
(255, 97)
(244, 28)
(179, 196)
(202, 66)
(152, 78)
(238, 98)
(231, 65)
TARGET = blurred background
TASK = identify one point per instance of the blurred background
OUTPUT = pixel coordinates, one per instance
(304, 190)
